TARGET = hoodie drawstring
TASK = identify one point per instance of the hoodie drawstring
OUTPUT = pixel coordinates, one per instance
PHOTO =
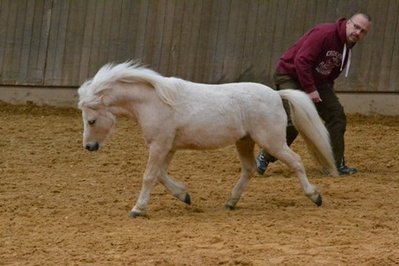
(343, 60)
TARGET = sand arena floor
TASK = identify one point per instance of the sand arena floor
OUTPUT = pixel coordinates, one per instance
(62, 205)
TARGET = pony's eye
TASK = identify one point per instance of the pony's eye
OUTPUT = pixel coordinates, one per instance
(91, 122)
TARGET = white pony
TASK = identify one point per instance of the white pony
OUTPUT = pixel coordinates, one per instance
(176, 114)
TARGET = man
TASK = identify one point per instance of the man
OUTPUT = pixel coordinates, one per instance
(312, 64)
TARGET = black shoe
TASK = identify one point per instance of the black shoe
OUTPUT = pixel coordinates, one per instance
(261, 163)
(345, 170)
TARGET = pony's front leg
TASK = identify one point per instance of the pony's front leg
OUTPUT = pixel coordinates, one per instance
(156, 161)
(149, 181)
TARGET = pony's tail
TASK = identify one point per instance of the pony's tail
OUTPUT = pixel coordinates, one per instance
(308, 123)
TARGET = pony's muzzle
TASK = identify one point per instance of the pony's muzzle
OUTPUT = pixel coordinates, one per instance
(93, 146)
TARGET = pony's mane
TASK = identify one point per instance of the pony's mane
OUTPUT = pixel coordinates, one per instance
(128, 72)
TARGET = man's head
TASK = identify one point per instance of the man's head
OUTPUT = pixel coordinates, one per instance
(357, 27)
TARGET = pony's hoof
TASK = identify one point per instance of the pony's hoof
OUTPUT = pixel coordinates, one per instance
(134, 214)
(316, 198)
(229, 207)
(187, 199)
(318, 201)
(231, 203)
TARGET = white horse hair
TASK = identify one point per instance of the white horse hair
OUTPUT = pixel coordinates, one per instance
(176, 114)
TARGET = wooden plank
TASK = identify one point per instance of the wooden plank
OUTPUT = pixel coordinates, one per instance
(321, 12)
(41, 30)
(235, 40)
(131, 18)
(298, 23)
(310, 18)
(387, 54)
(150, 37)
(114, 44)
(289, 19)
(13, 43)
(105, 34)
(206, 42)
(263, 41)
(176, 40)
(378, 32)
(96, 57)
(166, 46)
(21, 48)
(141, 30)
(26, 45)
(209, 33)
(332, 13)
(393, 81)
(118, 52)
(101, 36)
(185, 34)
(85, 68)
(364, 56)
(223, 9)
(159, 33)
(4, 12)
(245, 66)
(56, 47)
(189, 39)
(121, 32)
(278, 44)
(195, 41)
(74, 38)
(229, 59)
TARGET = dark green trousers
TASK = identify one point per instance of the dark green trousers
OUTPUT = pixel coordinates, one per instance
(330, 111)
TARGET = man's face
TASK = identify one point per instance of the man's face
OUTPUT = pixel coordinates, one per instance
(357, 28)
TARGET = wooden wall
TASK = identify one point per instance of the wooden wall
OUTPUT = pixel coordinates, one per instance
(64, 42)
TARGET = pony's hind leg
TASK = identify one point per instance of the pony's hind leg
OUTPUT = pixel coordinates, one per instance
(178, 190)
(293, 161)
(245, 150)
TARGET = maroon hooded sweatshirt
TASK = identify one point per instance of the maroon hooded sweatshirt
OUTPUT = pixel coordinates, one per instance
(316, 58)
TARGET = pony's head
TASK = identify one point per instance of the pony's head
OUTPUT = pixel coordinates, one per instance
(100, 100)
(98, 124)
(98, 120)
(112, 91)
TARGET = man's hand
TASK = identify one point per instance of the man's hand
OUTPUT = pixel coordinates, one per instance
(314, 96)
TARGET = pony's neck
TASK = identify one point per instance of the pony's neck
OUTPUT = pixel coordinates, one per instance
(124, 99)
(120, 111)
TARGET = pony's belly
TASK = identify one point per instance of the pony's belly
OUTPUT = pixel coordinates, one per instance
(208, 140)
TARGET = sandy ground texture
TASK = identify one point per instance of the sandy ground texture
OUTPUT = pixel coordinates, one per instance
(62, 205)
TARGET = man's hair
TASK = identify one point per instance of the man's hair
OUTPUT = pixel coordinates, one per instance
(366, 16)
